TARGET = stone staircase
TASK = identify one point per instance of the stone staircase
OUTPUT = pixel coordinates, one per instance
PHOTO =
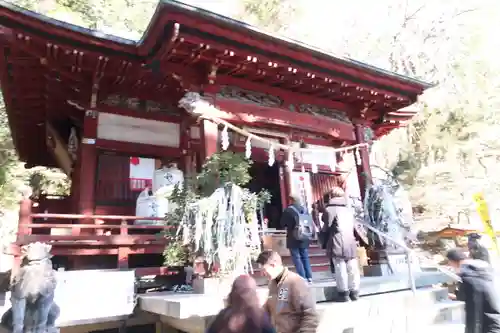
(386, 303)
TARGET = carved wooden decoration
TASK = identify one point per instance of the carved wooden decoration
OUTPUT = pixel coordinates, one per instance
(316, 110)
(248, 96)
(139, 105)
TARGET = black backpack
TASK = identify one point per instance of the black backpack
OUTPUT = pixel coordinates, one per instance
(304, 230)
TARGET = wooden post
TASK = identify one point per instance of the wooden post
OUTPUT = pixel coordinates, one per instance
(25, 206)
(185, 145)
(123, 252)
(362, 166)
(88, 165)
(25, 219)
(209, 133)
(285, 185)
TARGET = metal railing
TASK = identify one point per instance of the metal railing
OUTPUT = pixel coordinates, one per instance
(408, 252)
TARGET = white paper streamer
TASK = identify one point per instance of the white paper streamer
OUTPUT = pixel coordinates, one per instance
(314, 168)
(333, 163)
(357, 156)
(225, 138)
(272, 158)
(290, 162)
(248, 148)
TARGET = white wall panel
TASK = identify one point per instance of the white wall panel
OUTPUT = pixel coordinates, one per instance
(137, 130)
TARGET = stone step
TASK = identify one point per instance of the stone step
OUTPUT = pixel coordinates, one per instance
(325, 287)
(450, 312)
(399, 312)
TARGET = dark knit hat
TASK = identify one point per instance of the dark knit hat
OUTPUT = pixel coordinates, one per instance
(474, 236)
(455, 255)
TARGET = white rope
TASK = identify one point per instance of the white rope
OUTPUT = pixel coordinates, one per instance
(194, 104)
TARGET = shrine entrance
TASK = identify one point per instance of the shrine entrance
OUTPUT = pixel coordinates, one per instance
(267, 178)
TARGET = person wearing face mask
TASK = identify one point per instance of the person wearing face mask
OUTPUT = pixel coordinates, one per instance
(290, 304)
(478, 289)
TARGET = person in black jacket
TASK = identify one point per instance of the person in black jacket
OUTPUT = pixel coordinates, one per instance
(476, 249)
(298, 247)
(479, 292)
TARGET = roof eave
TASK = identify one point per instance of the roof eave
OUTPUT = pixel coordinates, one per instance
(230, 23)
(288, 42)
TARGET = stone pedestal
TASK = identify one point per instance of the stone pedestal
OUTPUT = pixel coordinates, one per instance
(383, 263)
(212, 286)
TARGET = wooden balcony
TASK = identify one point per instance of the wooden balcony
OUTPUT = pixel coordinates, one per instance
(90, 238)
(78, 236)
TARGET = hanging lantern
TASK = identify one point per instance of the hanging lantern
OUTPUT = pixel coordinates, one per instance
(357, 156)
(290, 162)
(248, 148)
(314, 168)
(225, 138)
(271, 156)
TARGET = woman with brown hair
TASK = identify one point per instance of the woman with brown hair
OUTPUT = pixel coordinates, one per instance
(243, 313)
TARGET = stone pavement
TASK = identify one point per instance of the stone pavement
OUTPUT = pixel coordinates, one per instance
(445, 328)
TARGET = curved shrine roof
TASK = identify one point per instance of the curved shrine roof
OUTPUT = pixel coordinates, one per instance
(45, 62)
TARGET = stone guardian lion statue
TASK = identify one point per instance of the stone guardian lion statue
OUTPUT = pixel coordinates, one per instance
(32, 293)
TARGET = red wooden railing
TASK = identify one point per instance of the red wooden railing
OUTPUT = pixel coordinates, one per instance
(89, 239)
(107, 235)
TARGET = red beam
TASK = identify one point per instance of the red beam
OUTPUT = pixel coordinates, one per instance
(69, 251)
(66, 251)
(138, 148)
(288, 97)
(236, 112)
(89, 216)
(93, 240)
(101, 226)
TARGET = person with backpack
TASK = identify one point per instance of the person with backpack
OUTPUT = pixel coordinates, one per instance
(299, 232)
(342, 245)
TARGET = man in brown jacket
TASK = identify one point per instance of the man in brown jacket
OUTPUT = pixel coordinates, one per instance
(290, 303)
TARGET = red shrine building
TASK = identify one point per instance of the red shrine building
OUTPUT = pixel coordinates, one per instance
(96, 106)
